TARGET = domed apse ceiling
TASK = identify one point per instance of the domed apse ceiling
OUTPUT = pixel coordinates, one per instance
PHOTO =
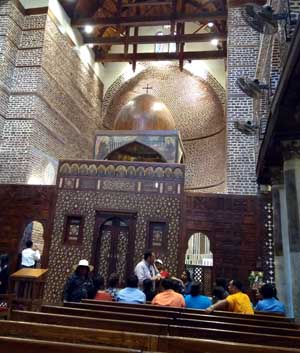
(198, 114)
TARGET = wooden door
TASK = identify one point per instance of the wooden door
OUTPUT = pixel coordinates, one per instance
(114, 241)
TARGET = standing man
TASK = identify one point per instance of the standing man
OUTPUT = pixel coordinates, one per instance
(146, 269)
(30, 255)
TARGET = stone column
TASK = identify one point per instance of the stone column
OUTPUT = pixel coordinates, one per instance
(291, 169)
(281, 243)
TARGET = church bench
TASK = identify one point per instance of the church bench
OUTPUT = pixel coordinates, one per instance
(134, 341)
(25, 345)
(70, 320)
(142, 327)
(198, 322)
(258, 315)
(135, 309)
(177, 314)
(104, 314)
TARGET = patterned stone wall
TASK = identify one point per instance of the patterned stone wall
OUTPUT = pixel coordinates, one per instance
(49, 100)
(242, 52)
(135, 191)
(197, 107)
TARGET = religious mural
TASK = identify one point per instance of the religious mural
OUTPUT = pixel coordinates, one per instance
(133, 148)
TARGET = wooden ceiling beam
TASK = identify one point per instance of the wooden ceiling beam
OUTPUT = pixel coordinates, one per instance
(148, 3)
(139, 21)
(183, 38)
(198, 55)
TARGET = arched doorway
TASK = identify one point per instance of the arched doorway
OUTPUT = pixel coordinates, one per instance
(33, 231)
(113, 245)
(199, 260)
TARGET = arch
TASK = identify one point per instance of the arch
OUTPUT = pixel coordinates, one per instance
(35, 231)
(199, 261)
(135, 152)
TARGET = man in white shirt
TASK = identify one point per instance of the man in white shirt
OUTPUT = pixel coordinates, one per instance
(146, 269)
(30, 256)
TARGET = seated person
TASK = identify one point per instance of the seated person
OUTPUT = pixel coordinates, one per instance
(163, 271)
(148, 289)
(219, 292)
(237, 301)
(113, 283)
(187, 281)
(131, 294)
(101, 293)
(168, 297)
(195, 300)
(79, 285)
(269, 302)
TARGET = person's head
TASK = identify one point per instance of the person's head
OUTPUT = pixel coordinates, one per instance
(98, 283)
(186, 276)
(132, 281)
(4, 259)
(167, 283)
(195, 289)
(83, 268)
(235, 286)
(147, 285)
(29, 244)
(218, 293)
(267, 291)
(113, 280)
(221, 282)
(159, 264)
(149, 256)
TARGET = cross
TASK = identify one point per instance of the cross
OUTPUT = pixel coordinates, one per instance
(147, 88)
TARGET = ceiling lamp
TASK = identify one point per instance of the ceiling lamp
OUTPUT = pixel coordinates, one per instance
(88, 29)
(214, 42)
(210, 24)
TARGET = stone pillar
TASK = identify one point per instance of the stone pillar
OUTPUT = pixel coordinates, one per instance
(242, 51)
(291, 168)
(281, 243)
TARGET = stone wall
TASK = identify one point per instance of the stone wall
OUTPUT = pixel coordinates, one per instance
(49, 100)
(243, 45)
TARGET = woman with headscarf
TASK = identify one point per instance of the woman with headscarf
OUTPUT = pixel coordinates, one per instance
(79, 285)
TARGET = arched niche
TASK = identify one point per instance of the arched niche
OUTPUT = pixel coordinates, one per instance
(34, 231)
(199, 261)
(135, 152)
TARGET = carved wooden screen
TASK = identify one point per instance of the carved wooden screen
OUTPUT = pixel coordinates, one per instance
(113, 238)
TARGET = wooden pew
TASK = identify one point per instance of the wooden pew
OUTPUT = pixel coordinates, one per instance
(243, 326)
(70, 320)
(25, 345)
(40, 335)
(203, 331)
(258, 315)
(105, 314)
(127, 313)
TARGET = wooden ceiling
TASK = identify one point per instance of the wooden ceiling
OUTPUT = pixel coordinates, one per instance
(113, 19)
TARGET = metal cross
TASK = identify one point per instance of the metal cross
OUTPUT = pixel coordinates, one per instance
(147, 88)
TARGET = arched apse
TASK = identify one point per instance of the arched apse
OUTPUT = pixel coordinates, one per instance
(197, 105)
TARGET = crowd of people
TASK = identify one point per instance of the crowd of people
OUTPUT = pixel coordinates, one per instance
(152, 283)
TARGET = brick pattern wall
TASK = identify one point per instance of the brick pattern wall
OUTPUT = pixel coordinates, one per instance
(50, 102)
(243, 45)
(197, 106)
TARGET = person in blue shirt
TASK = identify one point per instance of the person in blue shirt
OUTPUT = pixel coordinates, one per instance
(269, 302)
(195, 300)
(131, 294)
